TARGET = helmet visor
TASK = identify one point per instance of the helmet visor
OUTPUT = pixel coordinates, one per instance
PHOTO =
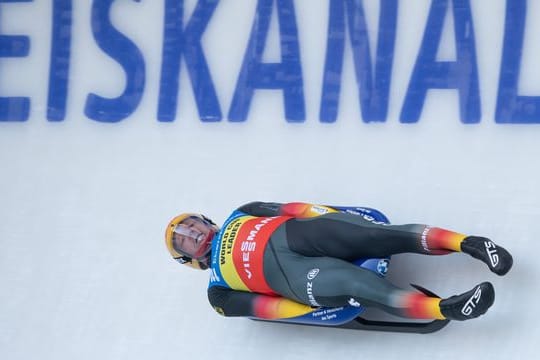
(193, 237)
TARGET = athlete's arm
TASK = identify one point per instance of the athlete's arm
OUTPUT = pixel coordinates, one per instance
(228, 302)
(294, 209)
(259, 208)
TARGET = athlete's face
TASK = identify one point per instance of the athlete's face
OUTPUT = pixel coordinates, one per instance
(193, 236)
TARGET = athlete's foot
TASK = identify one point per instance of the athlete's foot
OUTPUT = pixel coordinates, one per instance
(468, 305)
(496, 257)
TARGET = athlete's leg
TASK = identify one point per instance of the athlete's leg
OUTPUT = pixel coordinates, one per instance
(331, 282)
(350, 237)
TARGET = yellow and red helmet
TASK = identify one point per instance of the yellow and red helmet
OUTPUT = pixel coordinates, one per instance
(199, 232)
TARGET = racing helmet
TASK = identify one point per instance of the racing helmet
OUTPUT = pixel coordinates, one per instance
(189, 239)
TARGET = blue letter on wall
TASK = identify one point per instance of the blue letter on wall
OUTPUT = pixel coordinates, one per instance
(286, 75)
(187, 42)
(373, 90)
(60, 58)
(120, 48)
(461, 74)
(512, 108)
(14, 108)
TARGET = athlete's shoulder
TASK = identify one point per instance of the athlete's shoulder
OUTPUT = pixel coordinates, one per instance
(235, 215)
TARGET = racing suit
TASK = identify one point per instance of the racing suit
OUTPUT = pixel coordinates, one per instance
(272, 261)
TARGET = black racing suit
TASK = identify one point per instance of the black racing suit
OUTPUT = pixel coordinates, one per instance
(324, 245)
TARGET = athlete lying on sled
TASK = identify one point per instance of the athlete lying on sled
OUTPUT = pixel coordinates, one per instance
(279, 261)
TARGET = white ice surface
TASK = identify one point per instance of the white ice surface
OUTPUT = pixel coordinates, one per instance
(84, 273)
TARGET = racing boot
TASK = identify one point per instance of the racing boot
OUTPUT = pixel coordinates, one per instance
(495, 257)
(468, 305)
